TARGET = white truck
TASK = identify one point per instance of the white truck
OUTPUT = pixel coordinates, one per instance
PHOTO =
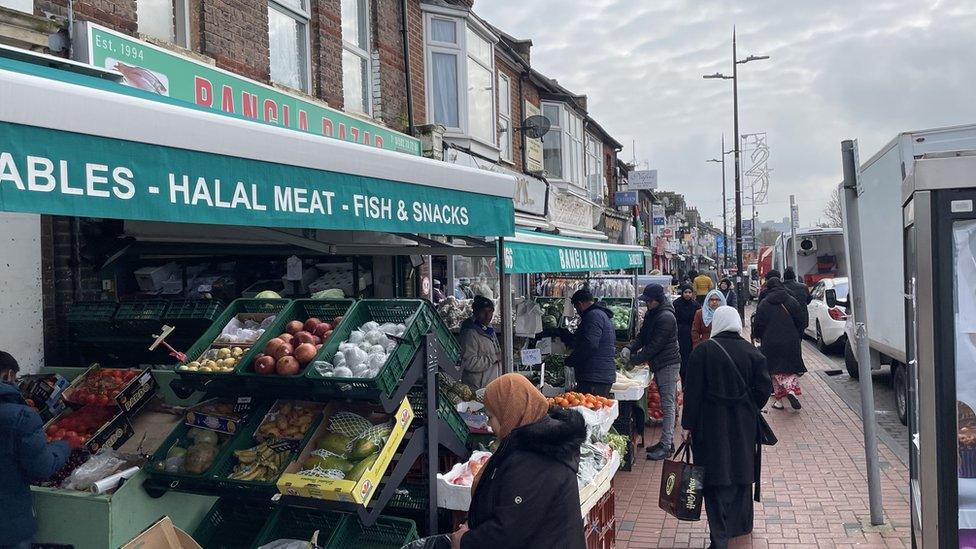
(820, 253)
(879, 207)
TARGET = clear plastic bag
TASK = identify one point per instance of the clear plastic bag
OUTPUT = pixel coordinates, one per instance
(99, 466)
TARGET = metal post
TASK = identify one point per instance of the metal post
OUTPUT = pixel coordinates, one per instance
(848, 155)
(793, 223)
(738, 184)
(725, 220)
(505, 287)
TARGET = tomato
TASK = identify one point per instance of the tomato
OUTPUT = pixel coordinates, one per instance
(75, 442)
(104, 400)
(59, 434)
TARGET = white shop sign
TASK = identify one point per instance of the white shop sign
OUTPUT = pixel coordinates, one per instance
(642, 180)
(567, 209)
(530, 192)
(533, 147)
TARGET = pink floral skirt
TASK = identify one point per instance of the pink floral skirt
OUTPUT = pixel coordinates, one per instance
(785, 384)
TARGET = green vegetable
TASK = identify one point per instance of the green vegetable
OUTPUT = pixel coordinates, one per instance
(202, 436)
(268, 294)
(618, 443)
(335, 443)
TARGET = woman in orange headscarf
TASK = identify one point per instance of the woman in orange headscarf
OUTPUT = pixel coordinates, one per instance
(526, 495)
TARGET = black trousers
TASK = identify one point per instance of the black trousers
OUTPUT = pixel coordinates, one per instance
(729, 510)
(598, 389)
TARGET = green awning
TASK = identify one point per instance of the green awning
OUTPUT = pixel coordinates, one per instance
(529, 252)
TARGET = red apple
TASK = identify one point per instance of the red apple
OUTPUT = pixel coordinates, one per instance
(287, 366)
(336, 321)
(305, 352)
(264, 365)
(303, 337)
(316, 340)
(282, 351)
(294, 326)
(311, 324)
(272, 345)
(322, 328)
(287, 338)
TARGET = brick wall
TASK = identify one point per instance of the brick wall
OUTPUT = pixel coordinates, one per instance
(116, 14)
(415, 24)
(235, 34)
(610, 171)
(326, 46)
(515, 109)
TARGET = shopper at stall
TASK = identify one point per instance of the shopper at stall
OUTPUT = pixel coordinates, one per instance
(463, 289)
(481, 355)
(526, 495)
(731, 299)
(701, 327)
(779, 324)
(437, 294)
(725, 388)
(798, 289)
(685, 308)
(593, 346)
(657, 345)
(702, 284)
(25, 457)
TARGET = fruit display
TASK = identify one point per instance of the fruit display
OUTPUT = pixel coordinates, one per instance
(346, 448)
(77, 427)
(456, 391)
(262, 463)
(364, 353)
(288, 420)
(100, 386)
(194, 453)
(586, 400)
(244, 329)
(221, 360)
(289, 353)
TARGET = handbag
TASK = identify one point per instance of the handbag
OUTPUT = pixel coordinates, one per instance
(766, 435)
(682, 486)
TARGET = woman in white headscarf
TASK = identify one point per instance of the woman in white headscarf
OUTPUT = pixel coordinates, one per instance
(726, 386)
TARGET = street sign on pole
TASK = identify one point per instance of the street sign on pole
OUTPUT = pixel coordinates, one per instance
(642, 180)
(657, 215)
(794, 214)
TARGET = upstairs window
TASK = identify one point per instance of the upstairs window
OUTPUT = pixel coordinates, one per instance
(288, 43)
(356, 74)
(165, 20)
(505, 117)
(596, 182)
(562, 147)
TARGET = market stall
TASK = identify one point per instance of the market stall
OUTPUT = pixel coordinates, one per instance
(301, 411)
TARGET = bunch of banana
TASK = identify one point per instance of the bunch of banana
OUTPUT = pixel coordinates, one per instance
(263, 463)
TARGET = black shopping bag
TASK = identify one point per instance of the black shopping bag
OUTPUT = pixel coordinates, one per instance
(682, 486)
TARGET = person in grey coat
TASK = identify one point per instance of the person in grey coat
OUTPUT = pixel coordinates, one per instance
(481, 355)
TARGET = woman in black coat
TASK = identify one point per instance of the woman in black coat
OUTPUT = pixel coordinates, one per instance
(725, 388)
(779, 324)
(526, 495)
(684, 312)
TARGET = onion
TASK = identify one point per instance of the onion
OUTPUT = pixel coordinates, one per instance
(273, 345)
(304, 337)
(294, 326)
(311, 324)
(287, 366)
(282, 351)
(305, 353)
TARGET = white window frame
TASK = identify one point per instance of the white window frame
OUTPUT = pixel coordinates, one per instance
(597, 158)
(505, 115)
(462, 23)
(572, 145)
(365, 55)
(180, 24)
(555, 128)
(303, 17)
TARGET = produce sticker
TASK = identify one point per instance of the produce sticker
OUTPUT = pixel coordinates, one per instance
(168, 74)
(64, 173)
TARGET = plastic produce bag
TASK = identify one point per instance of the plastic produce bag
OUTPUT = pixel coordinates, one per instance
(289, 544)
(440, 541)
(528, 317)
(99, 466)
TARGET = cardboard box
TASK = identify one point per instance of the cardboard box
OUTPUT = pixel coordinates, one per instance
(163, 534)
(358, 491)
(113, 434)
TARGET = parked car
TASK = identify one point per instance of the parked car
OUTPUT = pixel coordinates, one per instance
(828, 317)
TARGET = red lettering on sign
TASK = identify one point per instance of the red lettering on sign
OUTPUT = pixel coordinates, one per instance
(355, 134)
(284, 115)
(342, 131)
(227, 98)
(250, 105)
(270, 111)
(303, 120)
(327, 127)
(366, 138)
(203, 91)
(379, 141)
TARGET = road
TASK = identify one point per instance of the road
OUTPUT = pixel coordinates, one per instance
(891, 432)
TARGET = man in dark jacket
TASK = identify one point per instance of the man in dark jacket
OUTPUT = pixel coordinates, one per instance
(773, 273)
(25, 457)
(657, 344)
(799, 290)
(593, 346)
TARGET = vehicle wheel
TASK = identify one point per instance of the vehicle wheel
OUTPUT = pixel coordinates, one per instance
(821, 346)
(900, 382)
(850, 360)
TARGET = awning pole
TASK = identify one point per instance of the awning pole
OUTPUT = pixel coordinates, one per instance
(505, 287)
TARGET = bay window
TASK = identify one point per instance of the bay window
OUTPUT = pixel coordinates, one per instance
(461, 78)
(505, 117)
(562, 147)
(288, 41)
(356, 75)
(596, 183)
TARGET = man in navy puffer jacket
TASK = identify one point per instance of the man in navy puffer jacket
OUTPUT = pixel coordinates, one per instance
(25, 457)
(593, 346)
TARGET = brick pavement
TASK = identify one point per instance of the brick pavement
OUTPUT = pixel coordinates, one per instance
(814, 487)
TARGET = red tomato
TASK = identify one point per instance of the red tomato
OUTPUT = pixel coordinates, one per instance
(74, 442)
(104, 400)
(59, 434)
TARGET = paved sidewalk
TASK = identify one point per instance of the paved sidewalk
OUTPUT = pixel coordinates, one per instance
(814, 487)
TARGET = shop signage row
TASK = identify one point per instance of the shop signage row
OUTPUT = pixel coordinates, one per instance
(63, 173)
(160, 71)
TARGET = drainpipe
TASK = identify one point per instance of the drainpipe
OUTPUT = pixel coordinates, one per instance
(406, 64)
(521, 119)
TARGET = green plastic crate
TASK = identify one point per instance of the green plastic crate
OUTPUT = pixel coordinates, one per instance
(192, 317)
(623, 335)
(299, 309)
(410, 312)
(232, 524)
(445, 411)
(92, 318)
(386, 533)
(443, 333)
(299, 523)
(179, 437)
(236, 307)
(142, 317)
(410, 497)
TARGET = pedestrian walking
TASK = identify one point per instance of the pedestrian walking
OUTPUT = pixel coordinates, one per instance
(764, 291)
(731, 299)
(797, 289)
(526, 495)
(725, 388)
(702, 284)
(25, 458)
(657, 345)
(481, 355)
(701, 327)
(779, 324)
(593, 346)
(685, 308)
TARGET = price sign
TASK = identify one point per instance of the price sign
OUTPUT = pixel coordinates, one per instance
(531, 356)
(545, 346)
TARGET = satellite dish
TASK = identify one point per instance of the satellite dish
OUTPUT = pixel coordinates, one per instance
(535, 126)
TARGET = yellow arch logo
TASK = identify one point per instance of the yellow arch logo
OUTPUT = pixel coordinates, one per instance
(669, 486)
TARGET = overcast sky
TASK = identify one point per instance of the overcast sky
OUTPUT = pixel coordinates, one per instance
(838, 70)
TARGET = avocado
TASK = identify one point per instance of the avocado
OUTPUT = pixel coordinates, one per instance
(356, 472)
(362, 449)
(335, 443)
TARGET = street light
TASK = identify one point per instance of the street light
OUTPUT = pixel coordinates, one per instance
(738, 184)
(725, 221)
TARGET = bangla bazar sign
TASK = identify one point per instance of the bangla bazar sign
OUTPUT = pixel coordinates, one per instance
(562, 256)
(64, 173)
(160, 71)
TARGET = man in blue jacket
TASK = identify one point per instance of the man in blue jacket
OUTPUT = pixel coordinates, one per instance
(25, 457)
(593, 346)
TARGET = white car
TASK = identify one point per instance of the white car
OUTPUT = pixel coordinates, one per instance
(827, 324)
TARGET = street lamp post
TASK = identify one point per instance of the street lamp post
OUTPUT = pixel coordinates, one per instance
(738, 183)
(725, 221)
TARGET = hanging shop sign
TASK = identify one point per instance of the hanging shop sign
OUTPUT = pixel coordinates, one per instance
(572, 211)
(612, 225)
(642, 180)
(530, 192)
(535, 253)
(657, 215)
(533, 147)
(63, 173)
(625, 198)
(165, 73)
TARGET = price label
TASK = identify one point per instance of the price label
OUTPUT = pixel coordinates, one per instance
(544, 345)
(531, 356)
